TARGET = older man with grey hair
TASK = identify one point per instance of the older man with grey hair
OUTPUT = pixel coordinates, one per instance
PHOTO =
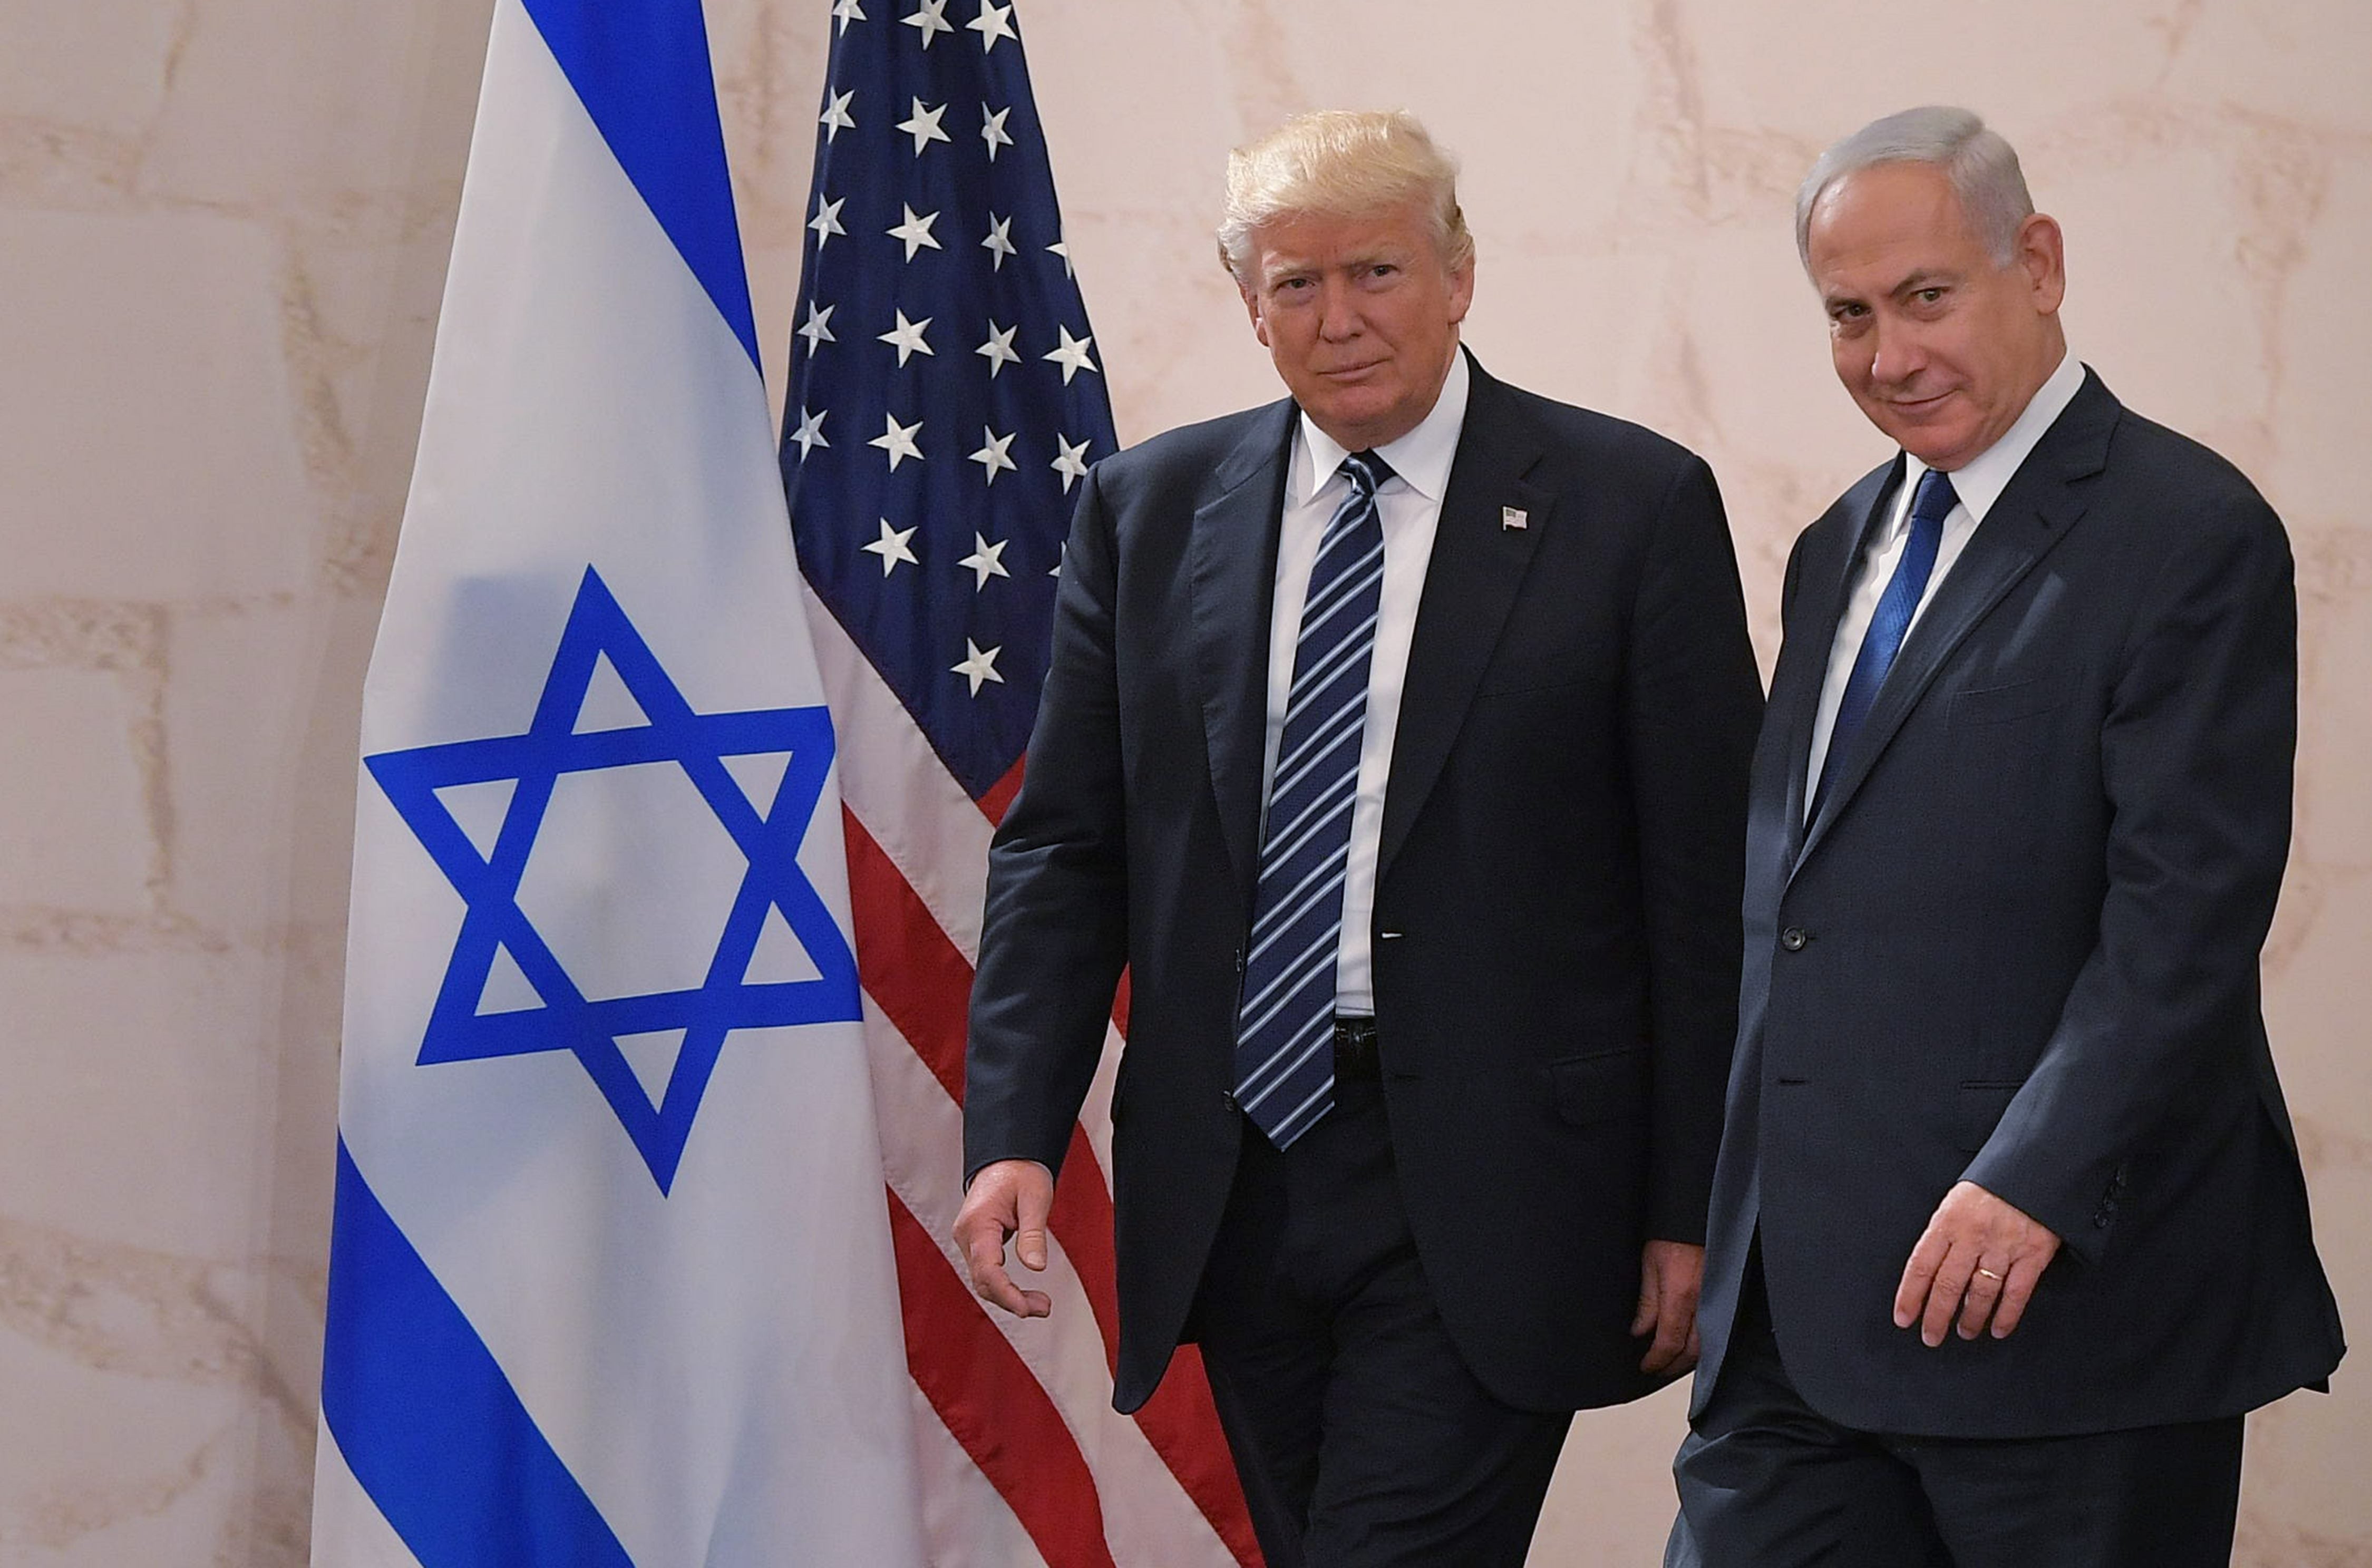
(2008, 1230)
(1395, 741)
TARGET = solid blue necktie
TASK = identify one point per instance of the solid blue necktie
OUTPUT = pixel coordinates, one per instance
(1930, 505)
(1285, 1027)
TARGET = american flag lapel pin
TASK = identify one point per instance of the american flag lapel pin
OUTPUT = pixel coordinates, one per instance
(1514, 519)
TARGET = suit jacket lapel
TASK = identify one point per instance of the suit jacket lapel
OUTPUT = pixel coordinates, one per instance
(2043, 503)
(1233, 572)
(1470, 583)
(1803, 666)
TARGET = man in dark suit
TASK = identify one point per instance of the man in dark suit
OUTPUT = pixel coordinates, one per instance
(1396, 741)
(2010, 1228)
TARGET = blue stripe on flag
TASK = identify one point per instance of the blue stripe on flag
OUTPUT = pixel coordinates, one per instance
(428, 1423)
(641, 67)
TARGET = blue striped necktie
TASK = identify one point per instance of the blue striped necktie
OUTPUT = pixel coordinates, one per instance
(1930, 505)
(1284, 1029)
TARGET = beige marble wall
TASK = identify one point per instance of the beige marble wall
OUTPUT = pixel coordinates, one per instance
(223, 227)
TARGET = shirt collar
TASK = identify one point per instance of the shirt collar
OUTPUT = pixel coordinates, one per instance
(1420, 460)
(1979, 482)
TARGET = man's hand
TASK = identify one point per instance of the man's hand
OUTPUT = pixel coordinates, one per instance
(1669, 1275)
(1009, 1198)
(1980, 1259)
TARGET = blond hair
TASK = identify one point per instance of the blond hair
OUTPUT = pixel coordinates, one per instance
(1341, 163)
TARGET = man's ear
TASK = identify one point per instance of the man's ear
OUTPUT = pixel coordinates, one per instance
(2042, 255)
(1253, 308)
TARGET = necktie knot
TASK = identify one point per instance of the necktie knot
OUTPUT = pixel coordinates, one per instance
(1935, 498)
(1366, 471)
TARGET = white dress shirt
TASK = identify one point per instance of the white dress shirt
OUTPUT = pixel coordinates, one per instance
(1409, 507)
(1978, 483)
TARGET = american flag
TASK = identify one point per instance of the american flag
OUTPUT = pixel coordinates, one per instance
(945, 395)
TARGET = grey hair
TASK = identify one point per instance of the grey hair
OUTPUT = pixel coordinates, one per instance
(1981, 166)
(1341, 163)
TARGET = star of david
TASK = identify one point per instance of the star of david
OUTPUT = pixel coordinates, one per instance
(494, 923)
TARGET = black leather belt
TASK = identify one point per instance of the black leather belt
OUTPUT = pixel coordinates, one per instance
(1355, 1048)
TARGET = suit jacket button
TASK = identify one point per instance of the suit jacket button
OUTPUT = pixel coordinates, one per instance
(1793, 938)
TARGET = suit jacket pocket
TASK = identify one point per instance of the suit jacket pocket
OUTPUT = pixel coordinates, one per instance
(1981, 1108)
(2019, 699)
(1605, 1085)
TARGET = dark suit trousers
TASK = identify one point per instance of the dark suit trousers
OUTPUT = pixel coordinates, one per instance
(1361, 1438)
(1766, 1481)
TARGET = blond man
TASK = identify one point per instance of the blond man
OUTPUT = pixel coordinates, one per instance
(1396, 741)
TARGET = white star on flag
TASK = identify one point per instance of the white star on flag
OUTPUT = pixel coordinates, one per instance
(999, 350)
(810, 435)
(817, 329)
(1072, 354)
(932, 19)
(984, 560)
(993, 132)
(992, 23)
(906, 337)
(826, 223)
(848, 11)
(999, 242)
(914, 231)
(891, 547)
(899, 441)
(835, 117)
(991, 458)
(1063, 249)
(1070, 461)
(922, 124)
(978, 665)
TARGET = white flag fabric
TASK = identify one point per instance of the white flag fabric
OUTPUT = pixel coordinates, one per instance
(612, 1280)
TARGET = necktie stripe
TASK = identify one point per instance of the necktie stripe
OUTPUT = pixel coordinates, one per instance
(1284, 1069)
(1345, 666)
(1291, 951)
(1304, 1115)
(1291, 971)
(1292, 878)
(1342, 699)
(1309, 762)
(1346, 596)
(1285, 1072)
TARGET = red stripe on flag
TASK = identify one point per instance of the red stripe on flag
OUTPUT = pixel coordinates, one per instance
(993, 1406)
(1182, 1425)
(1000, 794)
(1180, 1420)
(912, 972)
(921, 982)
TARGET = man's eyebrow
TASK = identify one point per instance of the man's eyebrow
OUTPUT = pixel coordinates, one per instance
(1926, 277)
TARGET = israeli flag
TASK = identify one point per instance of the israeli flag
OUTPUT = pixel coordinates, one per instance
(610, 1281)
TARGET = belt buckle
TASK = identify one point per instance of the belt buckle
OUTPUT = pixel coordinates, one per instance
(1355, 1048)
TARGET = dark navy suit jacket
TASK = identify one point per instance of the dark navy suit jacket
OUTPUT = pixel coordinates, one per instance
(1555, 917)
(2019, 945)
